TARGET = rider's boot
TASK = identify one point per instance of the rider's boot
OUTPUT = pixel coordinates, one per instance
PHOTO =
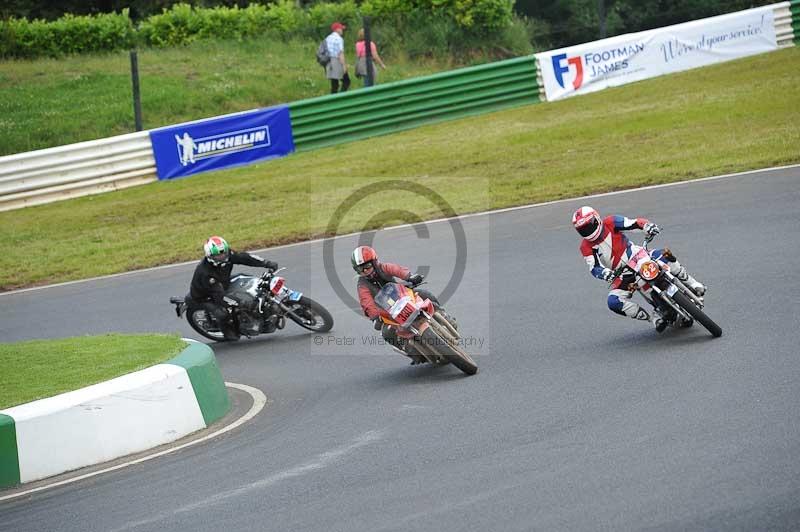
(693, 284)
(229, 333)
(680, 272)
(403, 345)
(270, 324)
(658, 322)
(411, 352)
(225, 323)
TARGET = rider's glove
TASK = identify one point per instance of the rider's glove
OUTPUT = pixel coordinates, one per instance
(416, 279)
(608, 274)
(377, 323)
(270, 265)
(651, 229)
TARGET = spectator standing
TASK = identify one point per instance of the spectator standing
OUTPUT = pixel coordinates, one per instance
(336, 69)
(361, 58)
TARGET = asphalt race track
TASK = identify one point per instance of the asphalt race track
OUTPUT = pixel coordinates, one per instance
(578, 419)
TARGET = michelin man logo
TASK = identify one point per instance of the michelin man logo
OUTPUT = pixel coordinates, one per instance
(186, 148)
(191, 149)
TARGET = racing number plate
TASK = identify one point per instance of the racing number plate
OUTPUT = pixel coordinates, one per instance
(672, 290)
(295, 296)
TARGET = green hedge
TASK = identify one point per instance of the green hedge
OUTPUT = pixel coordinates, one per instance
(67, 35)
(453, 21)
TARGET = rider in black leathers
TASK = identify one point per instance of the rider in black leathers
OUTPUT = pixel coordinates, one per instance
(213, 276)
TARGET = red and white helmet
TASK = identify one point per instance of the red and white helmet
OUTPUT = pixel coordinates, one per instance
(587, 223)
(364, 258)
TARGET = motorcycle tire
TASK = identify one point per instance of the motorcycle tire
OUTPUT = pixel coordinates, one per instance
(697, 314)
(441, 342)
(323, 321)
(197, 325)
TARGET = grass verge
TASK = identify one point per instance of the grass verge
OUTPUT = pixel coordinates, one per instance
(730, 117)
(37, 369)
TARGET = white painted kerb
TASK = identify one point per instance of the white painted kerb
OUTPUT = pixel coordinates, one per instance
(126, 415)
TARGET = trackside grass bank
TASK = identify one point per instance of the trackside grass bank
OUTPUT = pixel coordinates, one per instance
(37, 369)
(736, 116)
(50, 102)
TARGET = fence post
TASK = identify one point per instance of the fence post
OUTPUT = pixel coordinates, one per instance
(601, 14)
(137, 100)
(370, 79)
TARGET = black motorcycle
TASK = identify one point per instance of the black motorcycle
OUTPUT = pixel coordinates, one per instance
(257, 305)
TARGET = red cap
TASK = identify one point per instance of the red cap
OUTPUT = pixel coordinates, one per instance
(337, 26)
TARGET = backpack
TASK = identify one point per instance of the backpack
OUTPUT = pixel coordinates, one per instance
(322, 54)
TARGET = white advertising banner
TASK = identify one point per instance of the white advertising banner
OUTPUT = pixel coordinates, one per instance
(636, 56)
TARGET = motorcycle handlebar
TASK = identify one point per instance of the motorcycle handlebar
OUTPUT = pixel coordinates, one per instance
(621, 269)
(270, 272)
(406, 283)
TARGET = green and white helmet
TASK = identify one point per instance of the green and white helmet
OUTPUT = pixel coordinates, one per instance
(217, 251)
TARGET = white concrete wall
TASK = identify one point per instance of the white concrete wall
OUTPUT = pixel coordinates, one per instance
(102, 422)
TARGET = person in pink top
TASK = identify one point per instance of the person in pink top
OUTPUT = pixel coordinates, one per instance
(361, 58)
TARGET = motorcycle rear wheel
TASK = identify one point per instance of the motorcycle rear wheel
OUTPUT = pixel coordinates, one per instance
(200, 321)
(440, 340)
(697, 314)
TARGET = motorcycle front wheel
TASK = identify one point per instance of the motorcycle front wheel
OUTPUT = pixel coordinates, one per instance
(441, 341)
(697, 314)
(310, 315)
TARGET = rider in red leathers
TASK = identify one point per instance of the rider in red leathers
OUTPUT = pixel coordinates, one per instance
(605, 248)
(372, 276)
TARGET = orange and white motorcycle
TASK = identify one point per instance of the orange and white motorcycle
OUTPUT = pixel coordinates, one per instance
(428, 329)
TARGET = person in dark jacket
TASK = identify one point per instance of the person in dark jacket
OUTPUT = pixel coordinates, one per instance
(372, 276)
(212, 276)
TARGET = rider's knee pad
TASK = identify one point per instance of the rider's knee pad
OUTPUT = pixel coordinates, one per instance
(615, 304)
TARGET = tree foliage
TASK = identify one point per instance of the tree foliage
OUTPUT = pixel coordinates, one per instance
(420, 27)
(570, 22)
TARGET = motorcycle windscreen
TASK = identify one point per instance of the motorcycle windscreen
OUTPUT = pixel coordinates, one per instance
(390, 294)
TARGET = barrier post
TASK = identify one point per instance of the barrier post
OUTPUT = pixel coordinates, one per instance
(137, 100)
(370, 79)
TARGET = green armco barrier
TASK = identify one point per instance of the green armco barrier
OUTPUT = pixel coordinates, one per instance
(362, 113)
(9, 459)
(209, 388)
(795, 9)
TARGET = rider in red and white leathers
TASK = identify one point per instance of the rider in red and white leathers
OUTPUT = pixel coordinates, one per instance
(605, 248)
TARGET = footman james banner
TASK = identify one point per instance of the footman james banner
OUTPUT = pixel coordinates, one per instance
(222, 142)
(636, 56)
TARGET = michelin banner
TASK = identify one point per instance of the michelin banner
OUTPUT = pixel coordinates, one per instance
(222, 142)
(636, 56)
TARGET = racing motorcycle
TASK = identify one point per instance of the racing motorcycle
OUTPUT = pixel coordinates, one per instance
(678, 305)
(257, 305)
(426, 327)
